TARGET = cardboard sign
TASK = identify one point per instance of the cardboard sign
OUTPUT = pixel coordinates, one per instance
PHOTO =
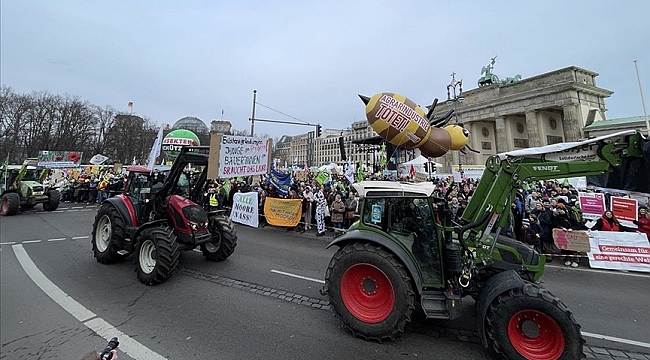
(419, 177)
(243, 156)
(282, 212)
(592, 205)
(244, 209)
(571, 240)
(619, 251)
(624, 208)
(301, 175)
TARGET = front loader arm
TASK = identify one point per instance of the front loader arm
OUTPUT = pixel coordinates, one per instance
(504, 172)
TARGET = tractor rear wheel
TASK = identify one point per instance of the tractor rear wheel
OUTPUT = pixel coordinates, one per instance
(52, 203)
(10, 204)
(108, 231)
(531, 323)
(370, 291)
(224, 239)
(157, 255)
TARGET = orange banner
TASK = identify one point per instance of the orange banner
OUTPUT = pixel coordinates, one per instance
(282, 212)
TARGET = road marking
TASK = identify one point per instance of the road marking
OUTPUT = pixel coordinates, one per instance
(612, 338)
(8, 243)
(128, 345)
(59, 211)
(31, 241)
(77, 207)
(298, 276)
(80, 237)
(72, 210)
(61, 239)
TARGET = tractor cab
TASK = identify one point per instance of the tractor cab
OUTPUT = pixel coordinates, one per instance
(405, 213)
(142, 185)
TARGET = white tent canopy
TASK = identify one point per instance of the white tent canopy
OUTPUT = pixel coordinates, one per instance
(420, 164)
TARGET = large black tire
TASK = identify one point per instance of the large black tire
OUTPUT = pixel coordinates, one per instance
(224, 238)
(10, 204)
(157, 255)
(54, 198)
(531, 323)
(370, 291)
(108, 232)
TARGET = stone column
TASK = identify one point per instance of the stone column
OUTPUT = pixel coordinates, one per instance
(533, 129)
(571, 123)
(501, 138)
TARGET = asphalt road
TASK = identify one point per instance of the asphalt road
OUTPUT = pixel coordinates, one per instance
(261, 303)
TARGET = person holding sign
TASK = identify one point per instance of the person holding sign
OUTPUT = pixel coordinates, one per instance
(563, 221)
(608, 222)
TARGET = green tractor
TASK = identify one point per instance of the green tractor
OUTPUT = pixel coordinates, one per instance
(405, 255)
(22, 187)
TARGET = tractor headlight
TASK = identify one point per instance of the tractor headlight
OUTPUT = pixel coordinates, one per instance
(194, 226)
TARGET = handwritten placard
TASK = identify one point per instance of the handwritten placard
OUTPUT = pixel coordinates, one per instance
(243, 156)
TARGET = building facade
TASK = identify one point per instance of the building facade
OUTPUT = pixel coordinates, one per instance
(545, 109)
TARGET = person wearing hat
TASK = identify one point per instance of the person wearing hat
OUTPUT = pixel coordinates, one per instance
(644, 221)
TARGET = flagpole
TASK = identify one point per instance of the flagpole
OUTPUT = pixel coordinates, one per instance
(645, 114)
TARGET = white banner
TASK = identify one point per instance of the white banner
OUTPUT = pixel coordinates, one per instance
(619, 251)
(98, 159)
(243, 156)
(244, 209)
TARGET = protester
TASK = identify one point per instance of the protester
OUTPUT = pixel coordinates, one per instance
(562, 221)
(337, 211)
(608, 222)
(351, 205)
(321, 206)
(644, 221)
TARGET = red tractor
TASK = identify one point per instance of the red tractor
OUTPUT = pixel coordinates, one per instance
(160, 213)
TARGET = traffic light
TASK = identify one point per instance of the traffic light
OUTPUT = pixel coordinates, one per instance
(319, 131)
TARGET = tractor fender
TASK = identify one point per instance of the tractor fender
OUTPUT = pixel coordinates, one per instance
(144, 227)
(495, 286)
(371, 237)
(121, 208)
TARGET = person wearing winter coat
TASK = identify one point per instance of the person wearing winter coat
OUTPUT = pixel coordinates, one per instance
(644, 221)
(562, 220)
(609, 222)
(337, 211)
(321, 205)
(530, 233)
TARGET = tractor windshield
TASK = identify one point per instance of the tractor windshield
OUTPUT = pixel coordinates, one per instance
(32, 175)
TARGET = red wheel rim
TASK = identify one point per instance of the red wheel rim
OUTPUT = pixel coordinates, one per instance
(536, 335)
(367, 293)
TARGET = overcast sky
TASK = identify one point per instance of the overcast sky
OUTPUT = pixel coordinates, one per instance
(309, 59)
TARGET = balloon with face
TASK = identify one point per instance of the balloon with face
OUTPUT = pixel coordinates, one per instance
(459, 136)
(402, 122)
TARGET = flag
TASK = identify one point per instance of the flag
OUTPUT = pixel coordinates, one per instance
(383, 159)
(130, 104)
(155, 150)
(360, 171)
(6, 163)
(323, 176)
(349, 172)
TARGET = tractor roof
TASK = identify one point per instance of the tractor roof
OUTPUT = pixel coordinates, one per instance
(393, 189)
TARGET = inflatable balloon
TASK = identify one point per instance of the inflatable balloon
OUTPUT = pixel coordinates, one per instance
(402, 122)
(459, 136)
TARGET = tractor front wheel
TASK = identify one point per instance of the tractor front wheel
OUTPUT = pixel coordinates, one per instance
(157, 255)
(223, 241)
(370, 291)
(108, 232)
(531, 323)
(10, 204)
(53, 200)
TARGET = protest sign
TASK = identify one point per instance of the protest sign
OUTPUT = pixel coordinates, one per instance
(243, 156)
(323, 176)
(592, 205)
(624, 208)
(244, 209)
(59, 159)
(282, 212)
(619, 251)
(420, 177)
(301, 175)
(571, 240)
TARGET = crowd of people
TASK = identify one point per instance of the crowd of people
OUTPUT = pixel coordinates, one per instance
(537, 208)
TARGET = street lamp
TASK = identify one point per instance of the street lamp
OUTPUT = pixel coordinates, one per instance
(454, 95)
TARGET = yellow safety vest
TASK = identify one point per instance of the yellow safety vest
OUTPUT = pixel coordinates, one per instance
(214, 201)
